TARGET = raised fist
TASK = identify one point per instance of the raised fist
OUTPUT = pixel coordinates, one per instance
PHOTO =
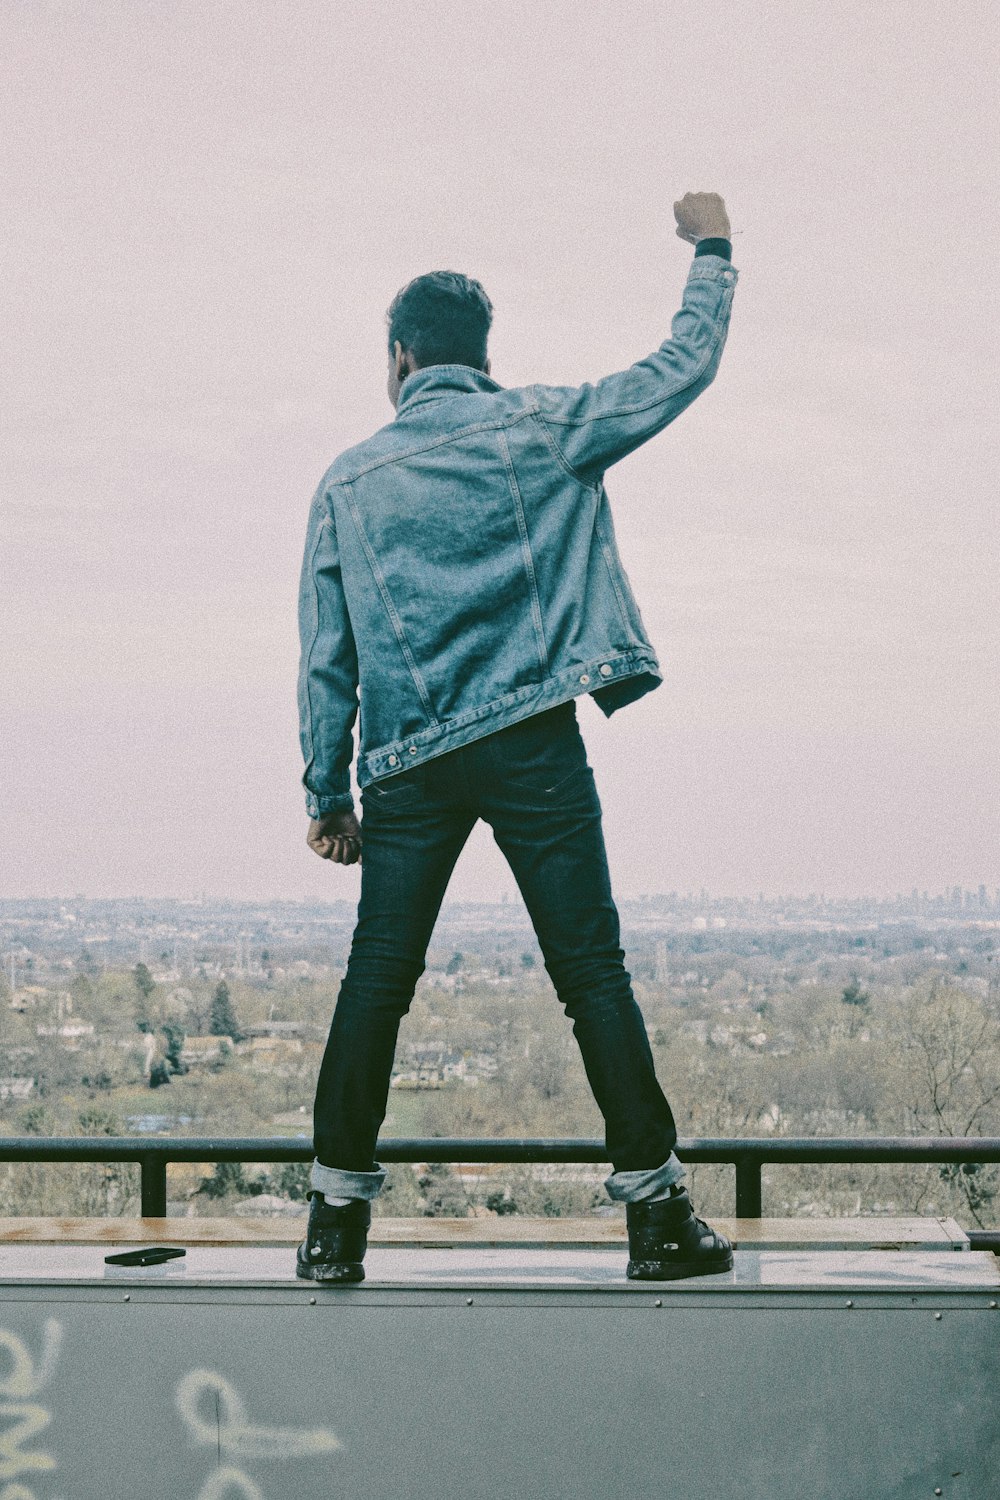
(700, 216)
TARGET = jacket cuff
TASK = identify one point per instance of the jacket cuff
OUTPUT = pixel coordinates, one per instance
(714, 246)
(318, 807)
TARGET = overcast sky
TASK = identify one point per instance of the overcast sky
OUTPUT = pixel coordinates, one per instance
(208, 208)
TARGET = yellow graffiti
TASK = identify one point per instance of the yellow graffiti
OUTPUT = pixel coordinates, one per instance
(222, 1481)
(25, 1379)
(29, 1421)
(226, 1426)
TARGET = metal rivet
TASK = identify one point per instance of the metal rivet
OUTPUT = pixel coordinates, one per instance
(393, 760)
(312, 1301)
(584, 678)
(937, 1317)
(606, 670)
(127, 1297)
(658, 1302)
(849, 1303)
(993, 1304)
(413, 749)
(937, 1489)
(468, 1301)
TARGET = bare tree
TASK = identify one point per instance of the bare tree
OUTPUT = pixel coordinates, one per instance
(947, 1080)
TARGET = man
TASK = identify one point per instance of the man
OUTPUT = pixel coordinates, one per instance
(461, 575)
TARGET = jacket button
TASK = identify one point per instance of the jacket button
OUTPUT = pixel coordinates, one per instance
(394, 760)
(584, 678)
(606, 670)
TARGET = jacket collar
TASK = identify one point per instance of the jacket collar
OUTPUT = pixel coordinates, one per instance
(434, 381)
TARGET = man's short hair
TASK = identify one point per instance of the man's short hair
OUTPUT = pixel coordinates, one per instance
(442, 318)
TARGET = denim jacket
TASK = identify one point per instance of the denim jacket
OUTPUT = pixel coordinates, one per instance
(461, 570)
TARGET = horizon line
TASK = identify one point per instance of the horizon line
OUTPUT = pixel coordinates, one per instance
(946, 892)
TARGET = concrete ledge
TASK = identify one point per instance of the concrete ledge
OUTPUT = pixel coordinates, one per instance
(875, 1233)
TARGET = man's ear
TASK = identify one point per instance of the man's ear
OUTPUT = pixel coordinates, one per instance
(402, 361)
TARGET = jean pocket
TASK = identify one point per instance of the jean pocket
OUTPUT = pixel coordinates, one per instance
(559, 789)
(405, 789)
(541, 756)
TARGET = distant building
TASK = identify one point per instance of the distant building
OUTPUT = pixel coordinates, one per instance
(71, 1033)
(201, 1049)
(16, 1088)
(429, 1065)
(276, 1029)
(28, 994)
(276, 1054)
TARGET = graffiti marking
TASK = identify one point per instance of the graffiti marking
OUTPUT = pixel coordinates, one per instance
(232, 1433)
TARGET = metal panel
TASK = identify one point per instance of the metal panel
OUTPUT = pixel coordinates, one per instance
(481, 1374)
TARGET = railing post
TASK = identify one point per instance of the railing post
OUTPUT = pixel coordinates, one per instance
(154, 1185)
(748, 1204)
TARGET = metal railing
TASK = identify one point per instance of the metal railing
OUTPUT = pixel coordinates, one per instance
(747, 1155)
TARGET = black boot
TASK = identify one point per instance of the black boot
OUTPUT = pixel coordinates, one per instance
(666, 1241)
(336, 1241)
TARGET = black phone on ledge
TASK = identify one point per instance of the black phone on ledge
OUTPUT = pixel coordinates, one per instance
(147, 1255)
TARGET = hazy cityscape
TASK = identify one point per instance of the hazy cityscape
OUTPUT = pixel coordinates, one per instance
(798, 1016)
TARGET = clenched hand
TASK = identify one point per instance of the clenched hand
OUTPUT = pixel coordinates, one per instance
(336, 836)
(700, 216)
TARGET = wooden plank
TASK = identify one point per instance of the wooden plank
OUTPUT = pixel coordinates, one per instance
(881, 1233)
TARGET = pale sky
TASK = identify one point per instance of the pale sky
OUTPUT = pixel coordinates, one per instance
(208, 208)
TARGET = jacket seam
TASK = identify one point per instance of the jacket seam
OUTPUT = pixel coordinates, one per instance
(529, 566)
(312, 647)
(449, 437)
(396, 622)
(558, 454)
(606, 554)
(626, 411)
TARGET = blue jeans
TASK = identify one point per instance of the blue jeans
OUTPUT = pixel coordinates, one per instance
(532, 784)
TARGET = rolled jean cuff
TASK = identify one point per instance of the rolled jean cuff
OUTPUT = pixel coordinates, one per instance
(333, 1182)
(630, 1187)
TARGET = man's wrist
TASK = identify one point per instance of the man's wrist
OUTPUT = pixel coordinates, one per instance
(714, 245)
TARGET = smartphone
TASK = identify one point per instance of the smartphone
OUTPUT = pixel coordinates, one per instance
(148, 1255)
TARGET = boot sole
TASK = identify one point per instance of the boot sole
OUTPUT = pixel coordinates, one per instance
(663, 1270)
(334, 1272)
